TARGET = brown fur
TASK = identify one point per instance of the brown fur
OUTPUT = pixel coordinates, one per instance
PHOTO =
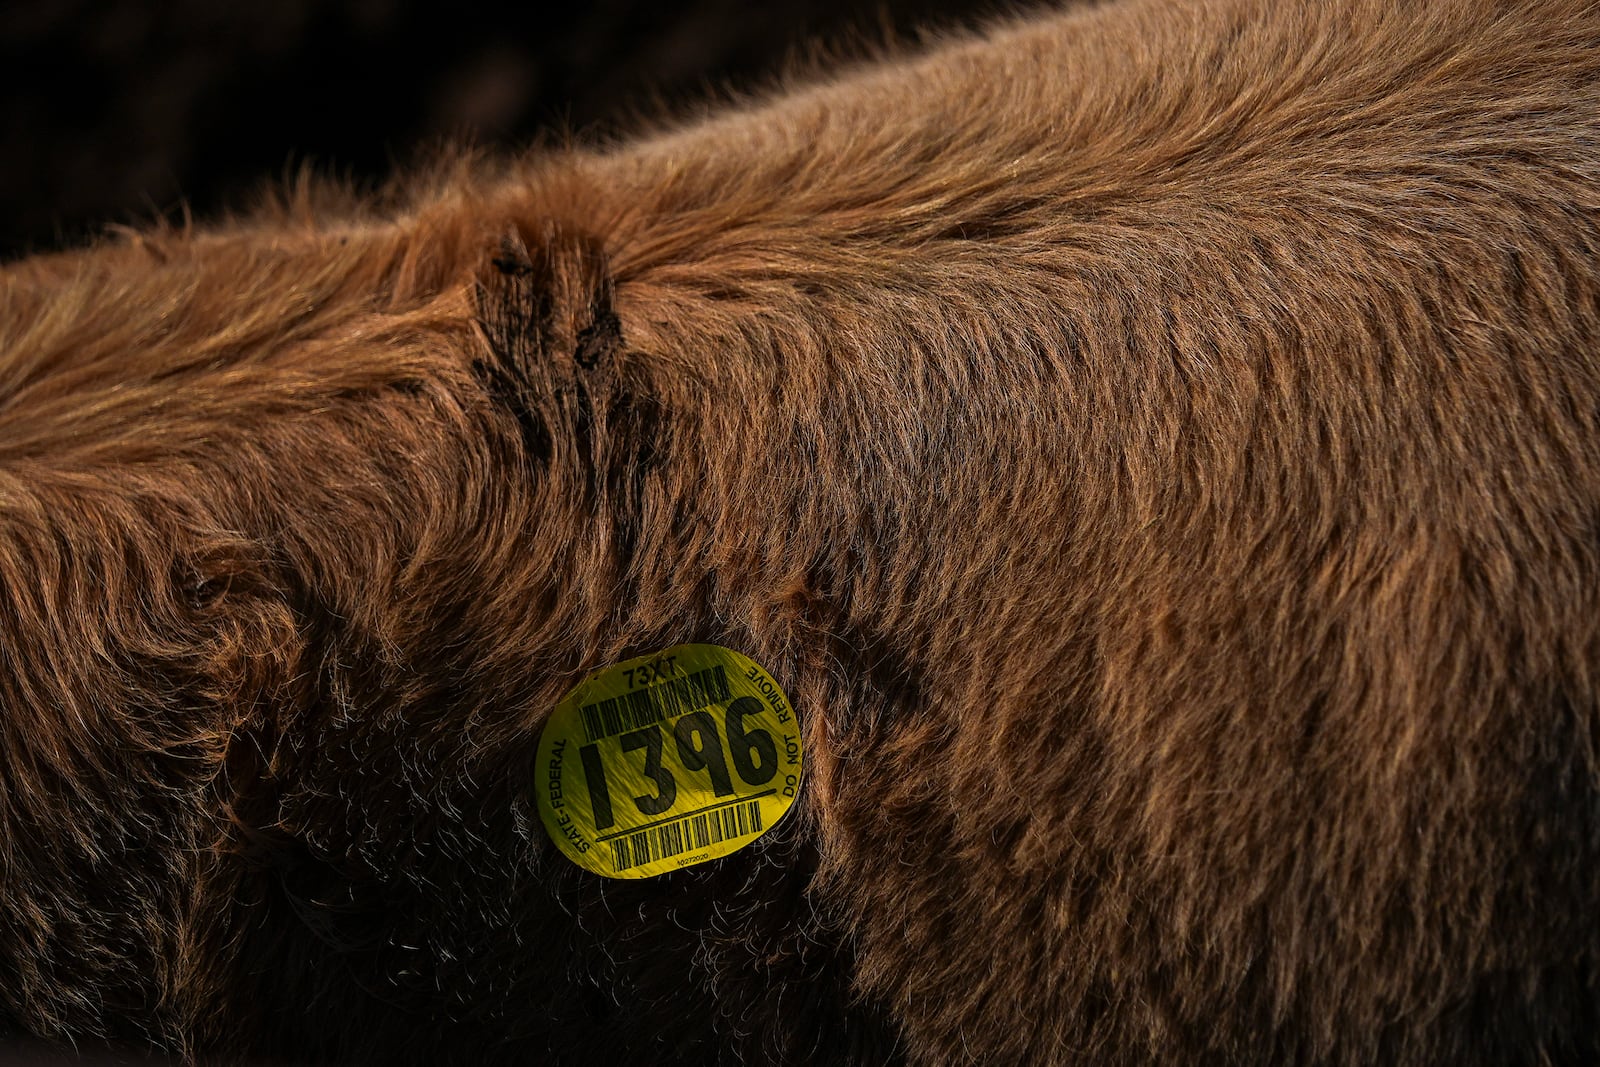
(1156, 447)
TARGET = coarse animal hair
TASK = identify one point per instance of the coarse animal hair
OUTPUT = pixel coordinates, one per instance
(1154, 445)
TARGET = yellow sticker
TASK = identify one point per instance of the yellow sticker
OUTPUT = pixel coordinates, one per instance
(666, 761)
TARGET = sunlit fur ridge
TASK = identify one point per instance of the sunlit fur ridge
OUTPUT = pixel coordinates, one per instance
(1155, 446)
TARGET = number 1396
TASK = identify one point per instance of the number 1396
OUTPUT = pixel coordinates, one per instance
(698, 746)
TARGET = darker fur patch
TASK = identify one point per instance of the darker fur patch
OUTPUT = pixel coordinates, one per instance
(602, 336)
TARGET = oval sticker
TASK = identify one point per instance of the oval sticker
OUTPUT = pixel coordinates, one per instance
(666, 761)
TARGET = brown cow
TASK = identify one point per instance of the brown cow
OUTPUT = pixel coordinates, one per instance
(1156, 447)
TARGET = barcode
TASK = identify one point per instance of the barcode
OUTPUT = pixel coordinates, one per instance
(697, 831)
(643, 707)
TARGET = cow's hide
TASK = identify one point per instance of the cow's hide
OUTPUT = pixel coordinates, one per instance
(1156, 447)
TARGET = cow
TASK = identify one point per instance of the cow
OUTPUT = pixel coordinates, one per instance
(1155, 448)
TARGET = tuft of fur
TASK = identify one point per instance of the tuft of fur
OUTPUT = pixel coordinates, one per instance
(1156, 446)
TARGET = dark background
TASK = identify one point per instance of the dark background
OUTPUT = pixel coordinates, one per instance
(120, 111)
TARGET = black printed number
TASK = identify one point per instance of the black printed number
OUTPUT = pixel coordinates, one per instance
(700, 749)
(594, 776)
(649, 739)
(755, 757)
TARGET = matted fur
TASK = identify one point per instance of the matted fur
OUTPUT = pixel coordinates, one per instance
(1155, 446)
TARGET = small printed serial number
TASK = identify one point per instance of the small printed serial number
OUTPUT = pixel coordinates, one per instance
(657, 670)
(696, 831)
